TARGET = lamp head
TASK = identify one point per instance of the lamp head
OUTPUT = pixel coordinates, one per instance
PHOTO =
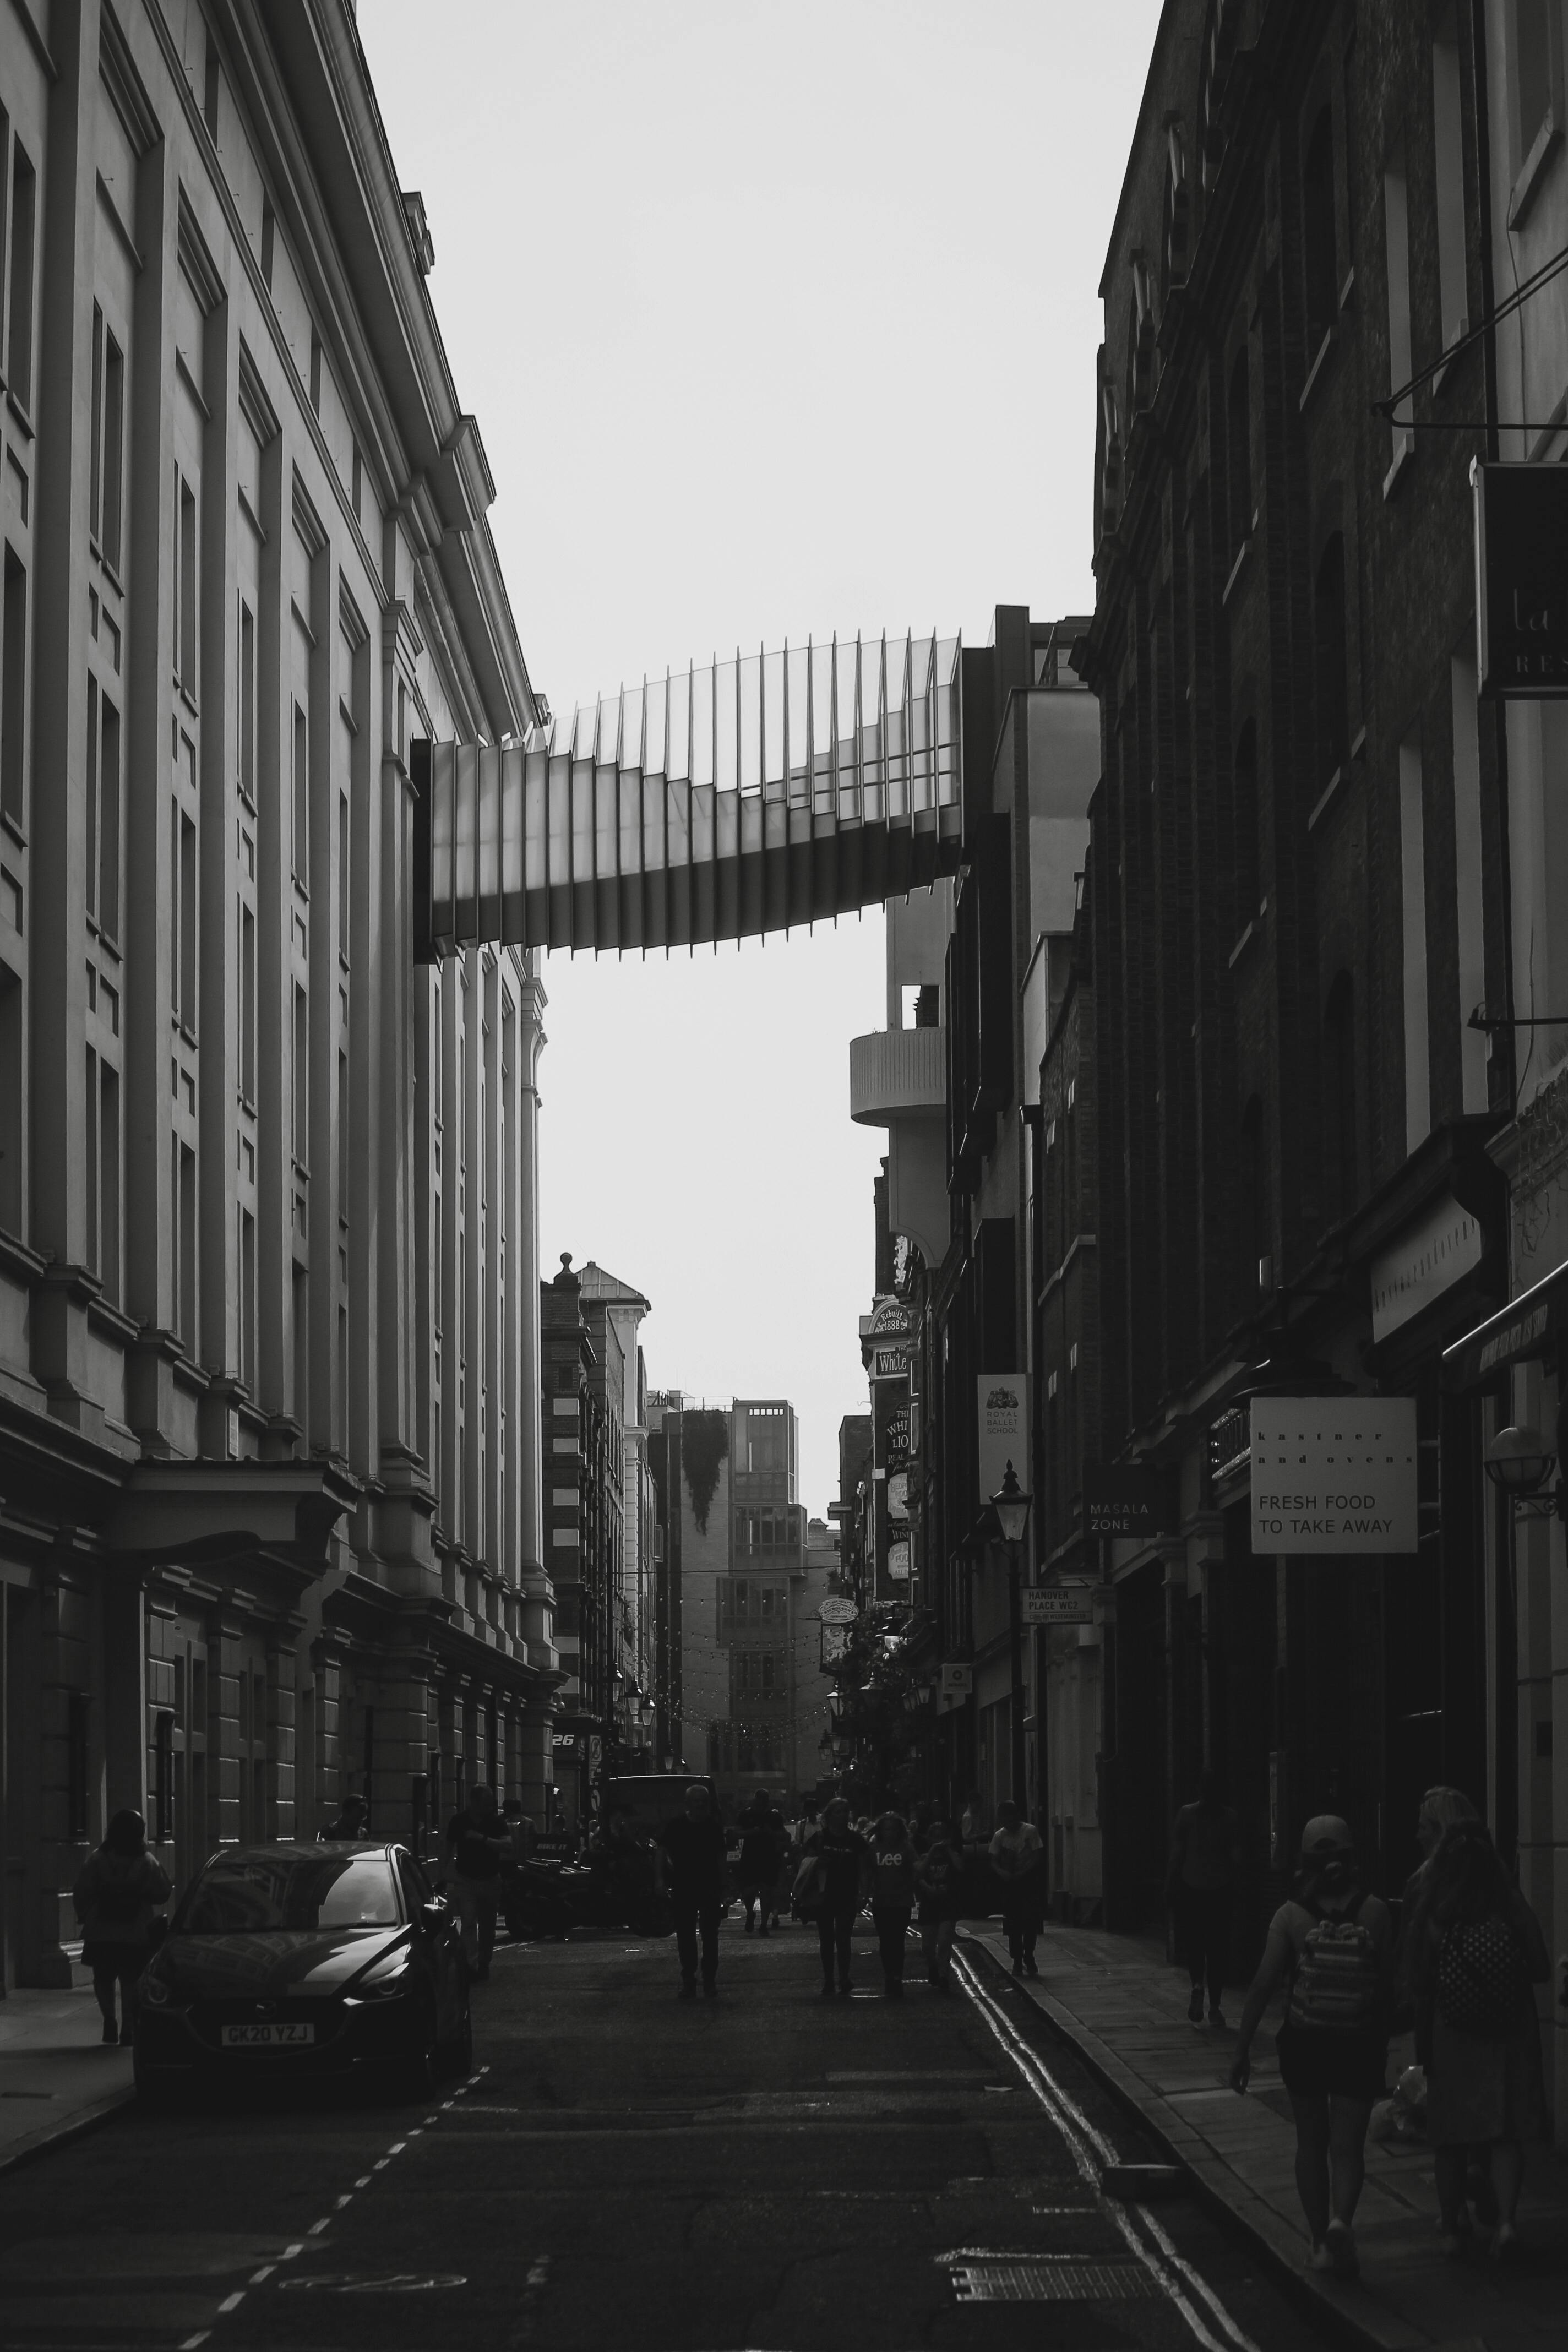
(1520, 1461)
(1011, 1505)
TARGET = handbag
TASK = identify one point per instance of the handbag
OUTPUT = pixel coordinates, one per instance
(810, 1888)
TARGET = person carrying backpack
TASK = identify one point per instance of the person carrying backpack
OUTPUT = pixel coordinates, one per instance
(1474, 1951)
(1332, 1945)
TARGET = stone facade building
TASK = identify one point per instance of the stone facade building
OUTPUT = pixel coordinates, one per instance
(269, 1507)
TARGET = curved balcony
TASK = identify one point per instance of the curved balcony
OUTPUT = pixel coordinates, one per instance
(896, 1074)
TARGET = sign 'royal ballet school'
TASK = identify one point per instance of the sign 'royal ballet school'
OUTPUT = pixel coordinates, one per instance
(1333, 1475)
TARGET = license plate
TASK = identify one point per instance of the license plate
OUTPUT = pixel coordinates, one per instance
(267, 2037)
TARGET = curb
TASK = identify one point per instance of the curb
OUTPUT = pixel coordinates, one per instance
(63, 2127)
(1344, 2311)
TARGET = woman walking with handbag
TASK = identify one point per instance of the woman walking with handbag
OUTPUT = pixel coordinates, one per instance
(1474, 1950)
(1333, 1943)
(118, 1891)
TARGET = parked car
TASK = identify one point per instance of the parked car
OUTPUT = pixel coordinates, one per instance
(284, 1962)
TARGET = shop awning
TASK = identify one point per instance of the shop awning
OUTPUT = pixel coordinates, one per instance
(1527, 1329)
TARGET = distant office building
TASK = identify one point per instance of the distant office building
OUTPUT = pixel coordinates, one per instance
(734, 1558)
(598, 1533)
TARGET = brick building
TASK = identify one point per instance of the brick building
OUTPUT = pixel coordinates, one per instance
(268, 1471)
(1294, 894)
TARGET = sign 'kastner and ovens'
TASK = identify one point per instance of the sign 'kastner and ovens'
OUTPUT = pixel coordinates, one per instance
(1333, 1475)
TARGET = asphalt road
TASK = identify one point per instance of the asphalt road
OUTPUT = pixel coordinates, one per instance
(625, 2171)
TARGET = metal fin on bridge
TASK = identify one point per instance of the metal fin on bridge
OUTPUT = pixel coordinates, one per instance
(726, 801)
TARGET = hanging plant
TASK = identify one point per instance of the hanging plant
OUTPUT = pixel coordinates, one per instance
(704, 1444)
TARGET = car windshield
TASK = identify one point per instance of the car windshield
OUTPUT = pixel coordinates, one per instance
(250, 1894)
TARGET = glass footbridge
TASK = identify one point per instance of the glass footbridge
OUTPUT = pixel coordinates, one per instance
(720, 803)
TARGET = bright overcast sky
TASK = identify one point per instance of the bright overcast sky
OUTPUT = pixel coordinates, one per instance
(775, 318)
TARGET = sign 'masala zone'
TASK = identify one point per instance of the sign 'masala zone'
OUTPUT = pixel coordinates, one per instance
(1334, 1473)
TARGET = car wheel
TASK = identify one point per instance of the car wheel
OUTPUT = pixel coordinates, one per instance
(458, 2053)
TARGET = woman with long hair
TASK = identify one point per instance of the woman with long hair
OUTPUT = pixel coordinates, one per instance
(116, 1893)
(1332, 1944)
(1474, 1950)
(894, 1862)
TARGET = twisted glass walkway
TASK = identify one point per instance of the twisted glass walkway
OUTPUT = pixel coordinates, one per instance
(724, 802)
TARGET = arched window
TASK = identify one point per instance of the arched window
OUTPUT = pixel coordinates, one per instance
(1177, 209)
(1340, 1174)
(1319, 261)
(1238, 448)
(1244, 829)
(1252, 1207)
(1328, 648)
(1219, 49)
(1108, 438)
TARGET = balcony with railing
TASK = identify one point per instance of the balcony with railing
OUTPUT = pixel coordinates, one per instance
(897, 1074)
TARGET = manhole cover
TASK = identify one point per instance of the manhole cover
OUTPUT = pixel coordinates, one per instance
(1052, 2279)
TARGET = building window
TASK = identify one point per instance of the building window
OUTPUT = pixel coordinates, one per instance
(248, 702)
(1238, 448)
(1318, 235)
(107, 485)
(14, 692)
(1449, 155)
(300, 1132)
(248, 1299)
(24, 229)
(183, 1211)
(343, 893)
(302, 792)
(1413, 891)
(246, 1003)
(1339, 1098)
(1535, 64)
(1252, 1221)
(185, 586)
(163, 1778)
(1329, 642)
(1397, 248)
(1244, 792)
(102, 1156)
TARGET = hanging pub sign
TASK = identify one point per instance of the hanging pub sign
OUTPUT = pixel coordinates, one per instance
(1002, 1408)
(954, 1683)
(838, 1609)
(889, 1364)
(892, 1319)
(899, 1562)
(1122, 1498)
(1333, 1475)
(1521, 581)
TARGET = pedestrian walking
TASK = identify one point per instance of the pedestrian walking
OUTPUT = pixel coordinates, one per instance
(894, 1862)
(843, 1861)
(939, 1886)
(691, 1856)
(117, 1892)
(1200, 1889)
(347, 1823)
(1017, 1856)
(476, 1845)
(1332, 1944)
(761, 1859)
(1476, 1950)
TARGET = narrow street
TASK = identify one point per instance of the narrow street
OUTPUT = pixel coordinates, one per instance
(625, 2169)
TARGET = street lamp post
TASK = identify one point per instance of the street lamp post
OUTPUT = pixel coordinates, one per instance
(1011, 1505)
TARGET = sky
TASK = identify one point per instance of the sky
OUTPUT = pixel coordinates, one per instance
(775, 318)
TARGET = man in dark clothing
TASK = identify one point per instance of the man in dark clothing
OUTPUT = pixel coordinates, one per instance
(348, 1823)
(844, 1859)
(475, 1845)
(691, 1863)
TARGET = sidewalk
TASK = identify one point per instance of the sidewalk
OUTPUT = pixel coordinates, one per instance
(1124, 2008)
(55, 2075)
